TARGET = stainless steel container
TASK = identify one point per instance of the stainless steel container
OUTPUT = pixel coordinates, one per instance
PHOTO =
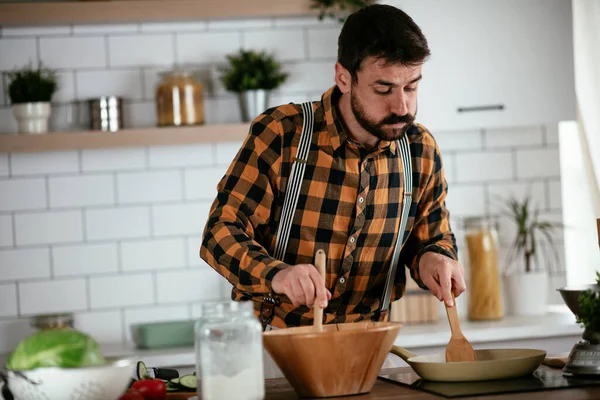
(106, 113)
(252, 103)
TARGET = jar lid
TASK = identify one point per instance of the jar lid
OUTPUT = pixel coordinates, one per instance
(52, 321)
(177, 71)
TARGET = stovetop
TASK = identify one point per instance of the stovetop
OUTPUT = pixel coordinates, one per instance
(544, 378)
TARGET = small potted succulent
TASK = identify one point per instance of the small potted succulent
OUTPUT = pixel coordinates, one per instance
(527, 287)
(338, 9)
(252, 75)
(30, 91)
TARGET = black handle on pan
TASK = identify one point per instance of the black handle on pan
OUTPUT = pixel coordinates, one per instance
(493, 107)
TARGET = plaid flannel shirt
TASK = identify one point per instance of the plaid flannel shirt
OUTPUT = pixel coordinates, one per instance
(349, 205)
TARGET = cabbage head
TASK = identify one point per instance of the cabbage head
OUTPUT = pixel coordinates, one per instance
(63, 348)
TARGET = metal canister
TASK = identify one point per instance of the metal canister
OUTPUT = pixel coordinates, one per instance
(106, 113)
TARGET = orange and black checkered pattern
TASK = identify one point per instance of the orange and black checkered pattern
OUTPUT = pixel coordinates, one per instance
(349, 205)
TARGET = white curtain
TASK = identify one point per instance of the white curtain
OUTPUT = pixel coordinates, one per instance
(580, 150)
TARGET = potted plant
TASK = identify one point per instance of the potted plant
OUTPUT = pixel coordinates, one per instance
(589, 312)
(527, 288)
(252, 75)
(30, 91)
(338, 9)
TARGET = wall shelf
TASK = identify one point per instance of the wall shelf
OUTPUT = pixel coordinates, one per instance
(139, 137)
(120, 11)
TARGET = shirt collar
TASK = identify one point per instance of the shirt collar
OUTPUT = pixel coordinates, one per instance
(335, 126)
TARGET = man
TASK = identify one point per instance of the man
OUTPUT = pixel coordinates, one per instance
(352, 192)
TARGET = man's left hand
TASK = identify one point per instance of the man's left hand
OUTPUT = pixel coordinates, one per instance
(442, 275)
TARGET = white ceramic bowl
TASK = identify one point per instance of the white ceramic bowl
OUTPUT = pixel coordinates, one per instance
(105, 382)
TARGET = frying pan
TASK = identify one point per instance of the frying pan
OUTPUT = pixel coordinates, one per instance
(491, 364)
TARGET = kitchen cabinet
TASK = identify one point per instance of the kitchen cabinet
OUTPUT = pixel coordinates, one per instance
(119, 11)
(495, 63)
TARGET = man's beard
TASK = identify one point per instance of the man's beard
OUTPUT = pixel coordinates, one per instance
(376, 128)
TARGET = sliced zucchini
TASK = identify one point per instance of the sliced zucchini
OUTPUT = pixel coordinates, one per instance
(188, 382)
(172, 387)
(174, 381)
(142, 371)
(165, 373)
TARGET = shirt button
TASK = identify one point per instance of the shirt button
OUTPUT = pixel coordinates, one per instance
(361, 200)
(352, 239)
(342, 280)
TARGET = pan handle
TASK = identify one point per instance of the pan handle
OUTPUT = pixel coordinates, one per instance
(402, 352)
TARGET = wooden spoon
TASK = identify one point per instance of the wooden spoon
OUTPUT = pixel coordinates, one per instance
(320, 261)
(459, 348)
(598, 228)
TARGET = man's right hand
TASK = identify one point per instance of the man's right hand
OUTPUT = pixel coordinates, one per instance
(302, 284)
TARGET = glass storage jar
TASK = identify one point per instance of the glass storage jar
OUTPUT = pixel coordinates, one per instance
(229, 352)
(179, 99)
(52, 321)
(485, 299)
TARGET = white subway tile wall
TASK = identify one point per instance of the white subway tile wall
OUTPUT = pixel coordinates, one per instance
(17, 52)
(48, 227)
(149, 187)
(153, 254)
(126, 83)
(101, 324)
(88, 259)
(285, 52)
(23, 264)
(113, 235)
(52, 296)
(122, 290)
(6, 231)
(4, 165)
(23, 194)
(66, 52)
(117, 223)
(44, 163)
(8, 300)
(142, 49)
(36, 30)
(81, 191)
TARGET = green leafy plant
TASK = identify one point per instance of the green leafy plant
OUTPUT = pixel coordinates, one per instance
(29, 85)
(63, 348)
(589, 307)
(531, 232)
(252, 70)
(336, 9)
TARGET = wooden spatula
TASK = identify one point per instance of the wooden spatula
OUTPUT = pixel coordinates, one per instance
(320, 261)
(459, 348)
(598, 228)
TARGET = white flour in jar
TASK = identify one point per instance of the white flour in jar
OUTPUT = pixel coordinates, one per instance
(249, 384)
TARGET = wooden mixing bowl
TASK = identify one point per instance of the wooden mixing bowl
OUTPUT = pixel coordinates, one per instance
(339, 360)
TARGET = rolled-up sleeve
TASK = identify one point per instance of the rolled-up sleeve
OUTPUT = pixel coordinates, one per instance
(242, 208)
(431, 231)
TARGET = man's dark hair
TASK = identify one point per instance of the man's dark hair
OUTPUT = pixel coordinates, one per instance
(383, 32)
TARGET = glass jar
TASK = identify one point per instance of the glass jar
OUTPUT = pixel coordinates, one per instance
(179, 100)
(485, 300)
(52, 321)
(229, 352)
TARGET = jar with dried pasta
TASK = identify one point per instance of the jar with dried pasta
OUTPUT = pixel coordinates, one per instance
(485, 298)
(179, 99)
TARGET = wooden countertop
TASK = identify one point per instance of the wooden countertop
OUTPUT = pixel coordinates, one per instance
(280, 389)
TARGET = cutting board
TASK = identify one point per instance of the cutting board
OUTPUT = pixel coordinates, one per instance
(180, 396)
